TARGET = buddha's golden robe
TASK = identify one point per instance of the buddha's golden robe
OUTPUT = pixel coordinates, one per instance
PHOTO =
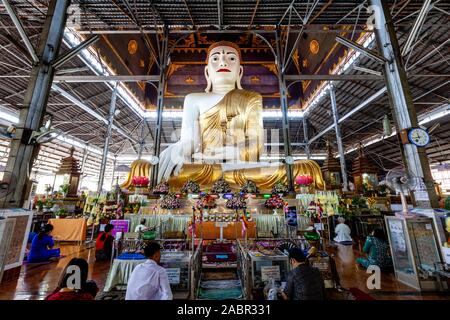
(235, 121)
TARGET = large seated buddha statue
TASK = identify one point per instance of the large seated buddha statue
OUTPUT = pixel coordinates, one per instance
(222, 133)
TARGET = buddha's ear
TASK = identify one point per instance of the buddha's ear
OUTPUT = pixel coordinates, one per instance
(241, 73)
(208, 80)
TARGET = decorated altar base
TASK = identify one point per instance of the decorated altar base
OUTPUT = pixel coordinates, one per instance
(161, 222)
(263, 225)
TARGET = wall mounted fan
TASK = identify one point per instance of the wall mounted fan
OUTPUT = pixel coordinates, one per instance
(7, 133)
(45, 134)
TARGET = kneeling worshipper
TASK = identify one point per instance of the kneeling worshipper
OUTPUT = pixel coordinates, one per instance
(66, 290)
(104, 244)
(378, 253)
(141, 227)
(343, 232)
(149, 281)
(42, 246)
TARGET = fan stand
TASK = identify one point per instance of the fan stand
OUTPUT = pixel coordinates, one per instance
(405, 211)
(404, 203)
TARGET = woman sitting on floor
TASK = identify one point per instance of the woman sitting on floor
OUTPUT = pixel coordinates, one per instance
(71, 288)
(104, 244)
(41, 246)
(377, 249)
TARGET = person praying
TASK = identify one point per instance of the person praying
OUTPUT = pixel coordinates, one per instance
(42, 246)
(149, 281)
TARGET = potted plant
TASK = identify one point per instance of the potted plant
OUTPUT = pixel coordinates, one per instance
(64, 189)
(48, 204)
(61, 213)
(40, 204)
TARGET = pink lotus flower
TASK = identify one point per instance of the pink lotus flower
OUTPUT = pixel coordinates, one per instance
(140, 181)
(304, 180)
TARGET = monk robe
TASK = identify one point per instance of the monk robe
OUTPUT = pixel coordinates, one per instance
(237, 121)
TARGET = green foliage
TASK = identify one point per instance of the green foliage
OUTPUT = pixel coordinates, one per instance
(49, 203)
(447, 203)
(62, 212)
(344, 212)
(359, 202)
(64, 188)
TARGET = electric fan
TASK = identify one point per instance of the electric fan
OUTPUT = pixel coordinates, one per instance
(402, 182)
(7, 133)
(45, 134)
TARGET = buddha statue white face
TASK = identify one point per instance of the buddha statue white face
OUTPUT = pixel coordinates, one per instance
(223, 69)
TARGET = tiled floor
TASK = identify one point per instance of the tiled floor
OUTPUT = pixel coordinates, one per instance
(36, 281)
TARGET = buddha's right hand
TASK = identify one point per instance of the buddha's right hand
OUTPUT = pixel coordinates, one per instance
(170, 160)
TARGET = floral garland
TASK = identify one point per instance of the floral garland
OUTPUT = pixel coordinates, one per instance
(274, 202)
(220, 186)
(190, 187)
(249, 187)
(280, 188)
(207, 201)
(170, 201)
(162, 188)
(236, 202)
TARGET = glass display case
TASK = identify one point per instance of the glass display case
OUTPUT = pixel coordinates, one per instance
(176, 264)
(260, 261)
(441, 220)
(414, 250)
(183, 265)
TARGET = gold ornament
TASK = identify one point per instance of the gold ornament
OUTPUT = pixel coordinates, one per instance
(255, 79)
(132, 46)
(314, 46)
(189, 80)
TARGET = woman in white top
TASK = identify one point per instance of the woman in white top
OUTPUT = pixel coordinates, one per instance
(343, 232)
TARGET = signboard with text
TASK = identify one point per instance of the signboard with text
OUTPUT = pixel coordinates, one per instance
(173, 275)
(120, 226)
(270, 272)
